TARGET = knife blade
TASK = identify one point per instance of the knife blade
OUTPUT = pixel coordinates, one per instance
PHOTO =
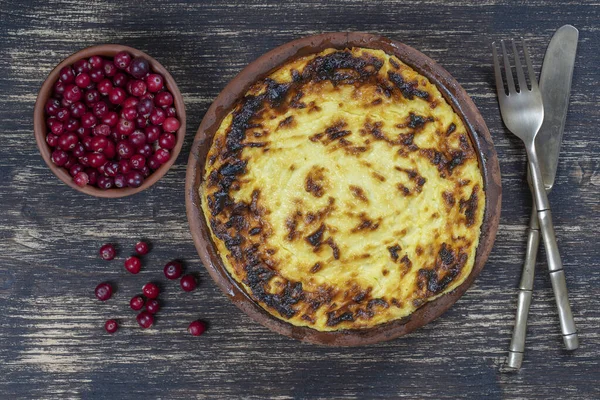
(555, 85)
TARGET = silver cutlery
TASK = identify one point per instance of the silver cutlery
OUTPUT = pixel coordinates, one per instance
(523, 113)
(555, 86)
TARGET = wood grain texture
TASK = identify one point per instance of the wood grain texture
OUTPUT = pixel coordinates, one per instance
(52, 344)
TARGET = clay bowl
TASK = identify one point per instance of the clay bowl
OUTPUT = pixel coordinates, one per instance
(40, 129)
(454, 94)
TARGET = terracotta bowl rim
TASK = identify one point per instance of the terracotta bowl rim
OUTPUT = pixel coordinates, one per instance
(40, 129)
(261, 67)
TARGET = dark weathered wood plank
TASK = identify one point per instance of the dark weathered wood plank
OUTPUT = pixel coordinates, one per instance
(51, 339)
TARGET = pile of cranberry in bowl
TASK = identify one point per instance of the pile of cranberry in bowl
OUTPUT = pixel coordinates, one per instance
(109, 121)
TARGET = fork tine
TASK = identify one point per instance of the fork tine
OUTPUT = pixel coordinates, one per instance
(530, 72)
(499, 83)
(520, 74)
(509, 77)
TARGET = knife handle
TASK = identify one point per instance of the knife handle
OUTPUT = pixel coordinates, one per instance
(517, 343)
(559, 283)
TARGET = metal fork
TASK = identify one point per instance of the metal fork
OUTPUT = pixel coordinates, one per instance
(523, 114)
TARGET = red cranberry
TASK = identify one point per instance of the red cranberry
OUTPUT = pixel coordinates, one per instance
(145, 319)
(105, 182)
(81, 179)
(122, 59)
(145, 107)
(171, 124)
(77, 109)
(96, 61)
(96, 160)
(102, 170)
(100, 109)
(59, 157)
(152, 306)
(111, 168)
(137, 88)
(188, 283)
(136, 303)
(83, 80)
(134, 179)
(150, 290)
(137, 161)
(111, 118)
(65, 102)
(67, 75)
(130, 102)
(110, 150)
(153, 163)
(145, 171)
(111, 326)
(129, 113)
(52, 106)
(99, 143)
(107, 252)
(167, 141)
(109, 68)
(88, 120)
(163, 99)
(72, 125)
(119, 80)
(154, 82)
(125, 127)
(75, 169)
(124, 166)
(162, 155)
(63, 115)
(82, 66)
(133, 264)
(120, 181)
(171, 112)
(117, 95)
(145, 150)
(153, 133)
(56, 127)
(91, 97)
(137, 138)
(92, 175)
(79, 150)
(173, 270)
(125, 149)
(141, 122)
(68, 141)
(142, 248)
(97, 75)
(139, 67)
(104, 291)
(102, 130)
(52, 140)
(59, 88)
(73, 93)
(197, 328)
(158, 116)
(70, 162)
(87, 142)
(105, 86)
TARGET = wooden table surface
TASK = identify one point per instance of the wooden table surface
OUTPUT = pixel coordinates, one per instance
(52, 343)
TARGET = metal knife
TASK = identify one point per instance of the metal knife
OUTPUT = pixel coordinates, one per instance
(555, 85)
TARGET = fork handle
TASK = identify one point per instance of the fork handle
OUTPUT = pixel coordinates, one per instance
(517, 343)
(557, 274)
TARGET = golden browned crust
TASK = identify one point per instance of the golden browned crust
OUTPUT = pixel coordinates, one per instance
(343, 191)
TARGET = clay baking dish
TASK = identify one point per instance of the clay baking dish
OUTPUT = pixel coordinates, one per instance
(456, 97)
(40, 129)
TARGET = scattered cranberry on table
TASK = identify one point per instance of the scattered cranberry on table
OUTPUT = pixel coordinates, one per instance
(104, 111)
(136, 303)
(145, 319)
(188, 283)
(107, 252)
(173, 270)
(150, 290)
(197, 328)
(111, 326)
(133, 264)
(142, 248)
(103, 291)
(152, 306)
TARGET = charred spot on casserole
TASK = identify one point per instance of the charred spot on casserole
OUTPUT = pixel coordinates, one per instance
(342, 191)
